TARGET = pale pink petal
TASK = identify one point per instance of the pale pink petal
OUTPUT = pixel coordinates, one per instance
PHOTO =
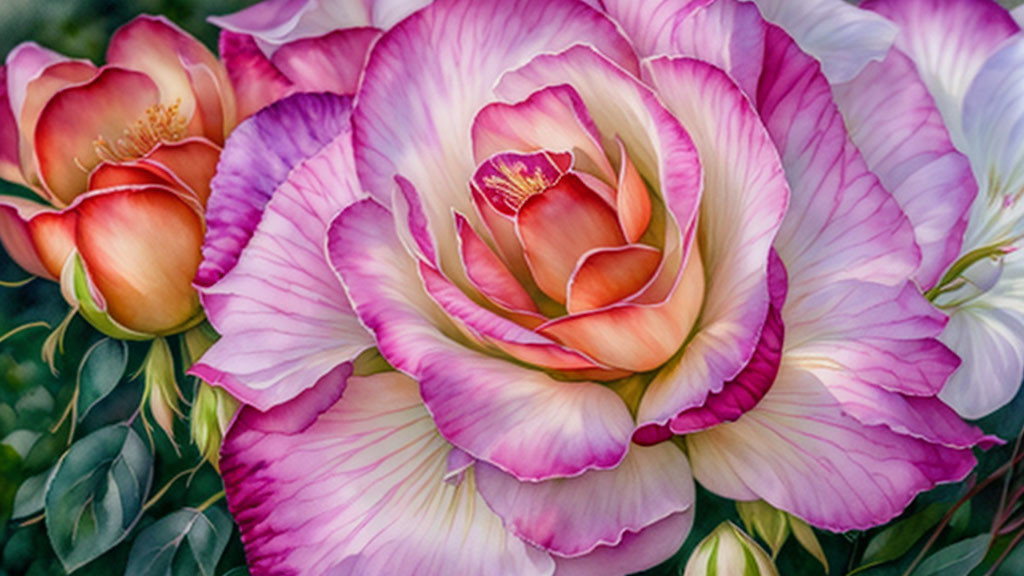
(1018, 15)
(572, 516)
(841, 222)
(428, 77)
(745, 199)
(840, 36)
(558, 227)
(489, 328)
(520, 420)
(329, 63)
(725, 33)
(636, 552)
(880, 335)
(949, 40)
(280, 309)
(24, 64)
(608, 275)
(348, 478)
(257, 83)
(10, 163)
(552, 118)
(742, 393)
(801, 453)
(893, 120)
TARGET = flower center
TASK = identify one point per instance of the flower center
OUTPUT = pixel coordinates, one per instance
(516, 183)
(158, 124)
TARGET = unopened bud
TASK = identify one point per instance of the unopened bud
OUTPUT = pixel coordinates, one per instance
(161, 386)
(728, 550)
(212, 411)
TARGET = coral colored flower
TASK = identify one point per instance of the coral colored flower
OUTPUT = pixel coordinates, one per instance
(584, 239)
(280, 47)
(120, 159)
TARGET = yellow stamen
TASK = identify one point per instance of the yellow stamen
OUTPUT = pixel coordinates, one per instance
(158, 124)
(515, 183)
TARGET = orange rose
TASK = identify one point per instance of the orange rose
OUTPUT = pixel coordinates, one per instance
(120, 158)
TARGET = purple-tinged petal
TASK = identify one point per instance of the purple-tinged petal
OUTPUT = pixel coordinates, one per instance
(329, 63)
(411, 222)
(842, 37)
(949, 40)
(878, 335)
(893, 121)
(636, 551)
(724, 33)
(243, 187)
(573, 516)
(24, 64)
(280, 309)
(841, 222)
(742, 393)
(740, 213)
(348, 478)
(517, 419)
(428, 77)
(801, 453)
(257, 83)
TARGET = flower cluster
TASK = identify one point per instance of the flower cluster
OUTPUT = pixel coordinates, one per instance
(496, 281)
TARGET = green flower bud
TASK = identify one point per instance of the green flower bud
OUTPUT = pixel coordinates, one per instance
(728, 551)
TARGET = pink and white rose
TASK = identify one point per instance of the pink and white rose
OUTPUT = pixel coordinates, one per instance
(606, 250)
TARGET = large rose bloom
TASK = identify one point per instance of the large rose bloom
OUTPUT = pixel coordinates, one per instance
(120, 159)
(606, 251)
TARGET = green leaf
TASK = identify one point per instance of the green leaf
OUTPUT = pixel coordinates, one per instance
(956, 559)
(766, 521)
(898, 538)
(186, 542)
(806, 537)
(99, 373)
(31, 495)
(96, 494)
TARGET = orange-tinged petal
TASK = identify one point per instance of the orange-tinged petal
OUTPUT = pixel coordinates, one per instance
(184, 70)
(633, 200)
(141, 248)
(53, 234)
(559, 226)
(608, 275)
(636, 337)
(191, 162)
(488, 273)
(71, 124)
(16, 234)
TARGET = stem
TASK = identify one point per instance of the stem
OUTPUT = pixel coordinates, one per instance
(210, 501)
(949, 514)
(1001, 510)
(23, 328)
(1009, 548)
(156, 497)
(16, 283)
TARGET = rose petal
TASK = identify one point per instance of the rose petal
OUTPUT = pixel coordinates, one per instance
(949, 40)
(636, 552)
(348, 478)
(488, 273)
(141, 248)
(607, 275)
(426, 81)
(10, 163)
(280, 309)
(841, 223)
(17, 226)
(519, 420)
(892, 119)
(257, 83)
(740, 214)
(558, 227)
(798, 451)
(329, 63)
(573, 516)
(76, 118)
